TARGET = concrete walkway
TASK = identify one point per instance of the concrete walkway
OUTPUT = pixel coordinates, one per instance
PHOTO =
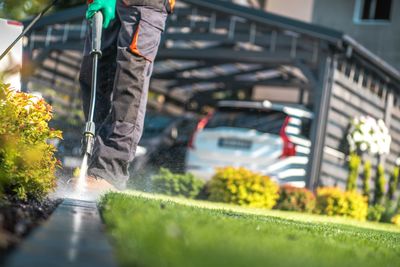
(73, 236)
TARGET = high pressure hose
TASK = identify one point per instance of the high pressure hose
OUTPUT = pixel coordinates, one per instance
(27, 28)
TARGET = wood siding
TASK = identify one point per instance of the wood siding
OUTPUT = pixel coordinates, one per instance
(353, 96)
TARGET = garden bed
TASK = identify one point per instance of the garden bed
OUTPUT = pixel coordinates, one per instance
(151, 230)
(18, 218)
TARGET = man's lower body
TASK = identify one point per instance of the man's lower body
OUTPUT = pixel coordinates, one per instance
(129, 47)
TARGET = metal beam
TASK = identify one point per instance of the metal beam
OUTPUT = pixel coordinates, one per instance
(321, 102)
(270, 19)
(218, 78)
(224, 56)
(174, 73)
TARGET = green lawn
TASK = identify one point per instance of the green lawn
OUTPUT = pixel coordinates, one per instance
(156, 231)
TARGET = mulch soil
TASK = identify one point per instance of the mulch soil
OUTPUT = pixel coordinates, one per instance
(18, 218)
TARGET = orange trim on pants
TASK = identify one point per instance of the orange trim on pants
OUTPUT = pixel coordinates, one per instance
(172, 4)
(134, 45)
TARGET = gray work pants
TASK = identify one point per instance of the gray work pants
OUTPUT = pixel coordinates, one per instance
(129, 48)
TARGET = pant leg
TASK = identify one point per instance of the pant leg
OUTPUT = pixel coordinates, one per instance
(138, 41)
(106, 72)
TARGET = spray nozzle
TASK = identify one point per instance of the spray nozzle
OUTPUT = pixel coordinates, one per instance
(88, 138)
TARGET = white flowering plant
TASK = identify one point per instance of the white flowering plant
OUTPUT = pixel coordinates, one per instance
(368, 135)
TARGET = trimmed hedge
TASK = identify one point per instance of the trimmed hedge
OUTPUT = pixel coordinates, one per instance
(396, 220)
(332, 201)
(375, 213)
(380, 184)
(296, 199)
(27, 161)
(242, 187)
(184, 185)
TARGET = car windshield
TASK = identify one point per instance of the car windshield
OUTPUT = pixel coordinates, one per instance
(266, 121)
(155, 124)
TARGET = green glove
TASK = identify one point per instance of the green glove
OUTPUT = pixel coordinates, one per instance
(107, 7)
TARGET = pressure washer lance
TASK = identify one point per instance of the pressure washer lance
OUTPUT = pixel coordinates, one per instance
(90, 128)
(28, 28)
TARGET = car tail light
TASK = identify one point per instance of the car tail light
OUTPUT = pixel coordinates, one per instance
(289, 149)
(14, 23)
(200, 126)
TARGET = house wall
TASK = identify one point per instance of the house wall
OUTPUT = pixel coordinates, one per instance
(296, 9)
(383, 39)
(354, 96)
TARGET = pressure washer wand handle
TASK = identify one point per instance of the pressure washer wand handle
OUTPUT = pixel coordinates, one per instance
(97, 24)
(96, 27)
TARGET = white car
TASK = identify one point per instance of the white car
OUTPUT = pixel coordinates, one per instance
(264, 137)
(11, 64)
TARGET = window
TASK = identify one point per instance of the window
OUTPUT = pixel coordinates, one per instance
(263, 121)
(373, 10)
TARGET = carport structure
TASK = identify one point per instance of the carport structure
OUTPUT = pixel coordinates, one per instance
(214, 50)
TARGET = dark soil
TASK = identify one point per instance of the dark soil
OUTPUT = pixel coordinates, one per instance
(18, 218)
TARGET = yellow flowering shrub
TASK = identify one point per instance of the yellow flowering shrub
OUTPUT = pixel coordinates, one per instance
(357, 205)
(242, 187)
(396, 220)
(333, 201)
(27, 161)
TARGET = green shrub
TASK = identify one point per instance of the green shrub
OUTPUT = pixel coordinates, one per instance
(393, 184)
(332, 201)
(242, 187)
(396, 220)
(184, 185)
(27, 161)
(295, 199)
(367, 179)
(375, 213)
(390, 209)
(354, 164)
(380, 182)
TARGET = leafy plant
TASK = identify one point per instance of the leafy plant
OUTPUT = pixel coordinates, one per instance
(27, 161)
(243, 187)
(168, 183)
(393, 184)
(366, 179)
(332, 201)
(396, 220)
(357, 205)
(375, 213)
(296, 199)
(354, 164)
(380, 182)
(390, 209)
(22, 9)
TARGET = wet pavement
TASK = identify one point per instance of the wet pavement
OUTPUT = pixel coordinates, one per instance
(73, 236)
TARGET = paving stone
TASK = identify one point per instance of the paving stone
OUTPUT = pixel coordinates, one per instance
(73, 236)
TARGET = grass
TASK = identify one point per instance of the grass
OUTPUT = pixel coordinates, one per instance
(157, 231)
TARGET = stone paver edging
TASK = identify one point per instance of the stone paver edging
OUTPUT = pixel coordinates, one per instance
(73, 236)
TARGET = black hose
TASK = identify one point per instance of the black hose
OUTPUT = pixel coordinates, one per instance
(26, 30)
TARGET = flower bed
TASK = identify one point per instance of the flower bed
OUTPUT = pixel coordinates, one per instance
(18, 217)
(27, 164)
